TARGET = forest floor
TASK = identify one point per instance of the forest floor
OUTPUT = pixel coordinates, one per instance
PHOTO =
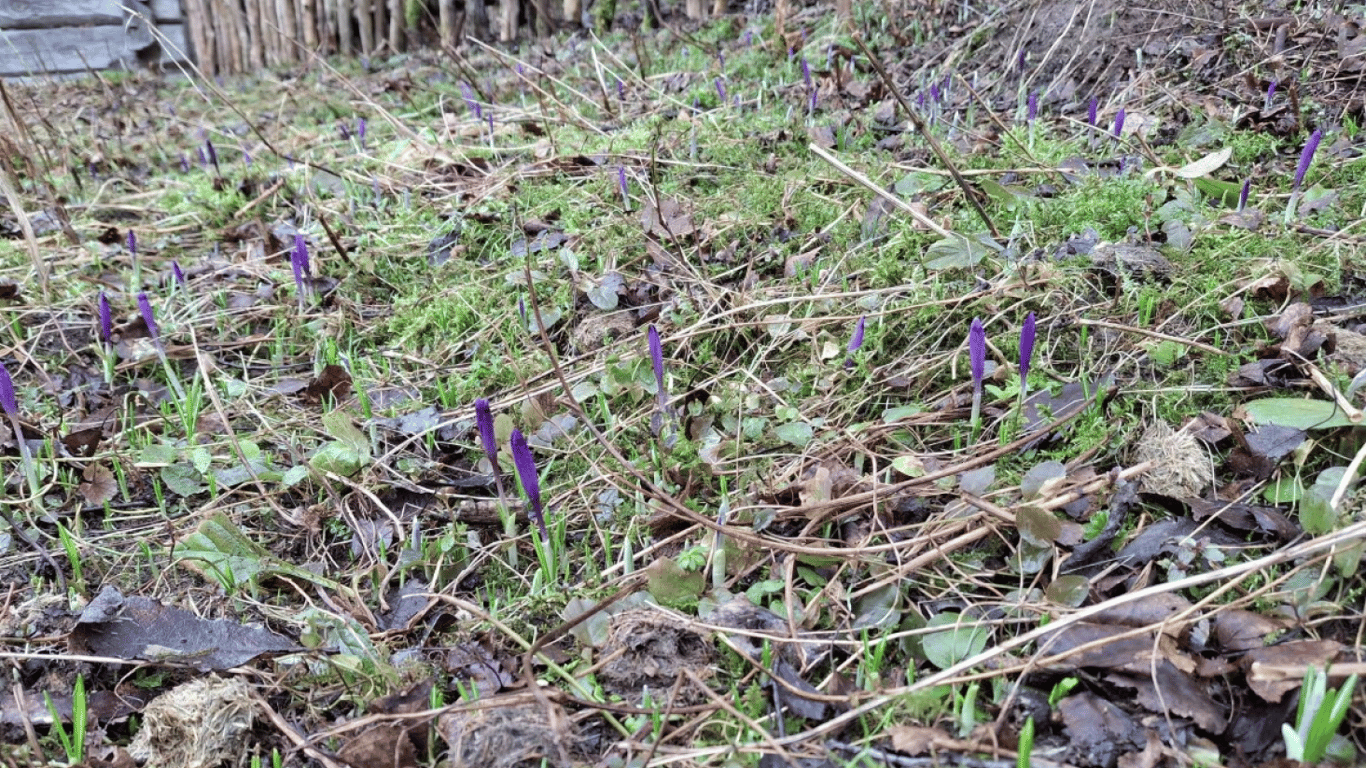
(951, 386)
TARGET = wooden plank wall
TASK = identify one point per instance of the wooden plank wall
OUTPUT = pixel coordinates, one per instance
(40, 37)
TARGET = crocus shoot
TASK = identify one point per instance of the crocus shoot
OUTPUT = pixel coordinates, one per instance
(132, 242)
(106, 337)
(855, 342)
(1026, 354)
(977, 357)
(154, 333)
(661, 415)
(1306, 159)
(531, 484)
(298, 262)
(488, 440)
(10, 404)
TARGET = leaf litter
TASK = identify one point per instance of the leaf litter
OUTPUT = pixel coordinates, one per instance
(314, 560)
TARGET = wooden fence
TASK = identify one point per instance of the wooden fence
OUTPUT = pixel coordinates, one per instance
(40, 37)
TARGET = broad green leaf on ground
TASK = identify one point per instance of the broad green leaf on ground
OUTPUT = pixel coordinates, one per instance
(797, 433)
(347, 453)
(960, 639)
(1297, 412)
(958, 251)
(221, 551)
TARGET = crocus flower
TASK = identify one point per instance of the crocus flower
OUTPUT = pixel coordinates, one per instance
(1270, 93)
(1119, 122)
(177, 273)
(721, 90)
(855, 341)
(7, 399)
(483, 420)
(815, 95)
(132, 244)
(344, 130)
(657, 361)
(106, 318)
(806, 72)
(1091, 112)
(145, 309)
(1307, 156)
(468, 92)
(212, 153)
(360, 130)
(526, 472)
(300, 255)
(621, 90)
(1242, 195)
(977, 352)
(1020, 61)
(1033, 103)
(1026, 348)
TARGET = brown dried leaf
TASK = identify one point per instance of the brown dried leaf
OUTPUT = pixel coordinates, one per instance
(98, 485)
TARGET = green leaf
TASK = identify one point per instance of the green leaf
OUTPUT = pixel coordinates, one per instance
(1285, 490)
(1070, 591)
(1297, 412)
(900, 412)
(963, 638)
(1226, 192)
(221, 551)
(796, 433)
(956, 251)
(156, 454)
(183, 479)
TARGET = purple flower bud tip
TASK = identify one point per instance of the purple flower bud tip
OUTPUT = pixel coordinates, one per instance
(855, 341)
(132, 243)
(526, 472)
(360, 129)
(145, 309)
(657, 359)
(1026, 346)
(1033, 105)
(977, 351)
(1307, 156)
(1242, 195)
(106, 319)
(213, 154)
(806, 72)
(1119, 122)
(300, 257)
(483, 419)
(1091, 112)
(177, 273)
(7, 399)
(721, 89)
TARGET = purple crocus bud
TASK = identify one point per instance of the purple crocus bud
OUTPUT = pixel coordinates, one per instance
(806, 72)
(470, 101)
(177, 273)
(296, 263)
(1020, 61)
(489, 117)
(721, 59)
(1026, 347)
(483, 419)
(1270, 93)
(184, 163)
(132, 244)
(526, 472)
(621, 186)
(1033, 102)
(721, 90)
(145, 309)
(7, 399)
(360, 129)
(1242, 196)
(1307, 156)
(657, 360)
(212, 153)
(1119, 122)
(300, 256)
(343, 130)
(106, 318)
(1091, 112)
(934, 92)
(203, 158)
(855, 341)
(521, 308)
(977, 352)
(621, 90)
(815, 96)
(749, 37)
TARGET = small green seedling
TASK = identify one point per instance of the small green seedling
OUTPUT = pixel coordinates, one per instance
(1320, 713)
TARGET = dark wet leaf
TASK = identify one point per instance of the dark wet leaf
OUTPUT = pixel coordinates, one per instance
(334, 381)
(1276, 670)
(1245, 517)
(1167, 689)
(1239, 630)
(1070, 591)
(141, 628)
(1098, 731)
(98, 485)
(1275, 441)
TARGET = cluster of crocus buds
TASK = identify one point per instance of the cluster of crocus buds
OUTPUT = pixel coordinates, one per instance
(977, 360)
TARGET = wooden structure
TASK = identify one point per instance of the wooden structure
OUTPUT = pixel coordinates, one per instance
(40, 37)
